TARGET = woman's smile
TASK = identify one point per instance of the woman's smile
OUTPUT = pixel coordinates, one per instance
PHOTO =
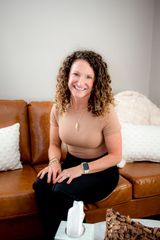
(80, 88)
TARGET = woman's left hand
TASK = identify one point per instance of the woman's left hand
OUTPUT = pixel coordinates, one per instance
(69, 173)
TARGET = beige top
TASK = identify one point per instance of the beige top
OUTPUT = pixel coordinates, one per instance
(89, 140)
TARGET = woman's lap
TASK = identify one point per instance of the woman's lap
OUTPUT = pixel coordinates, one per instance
(87, 188)
(90, 187)
(54, 200)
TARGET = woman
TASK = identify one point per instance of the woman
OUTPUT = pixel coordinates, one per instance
(83, 118)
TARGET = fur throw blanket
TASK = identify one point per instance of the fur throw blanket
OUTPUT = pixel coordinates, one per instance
(136, 108)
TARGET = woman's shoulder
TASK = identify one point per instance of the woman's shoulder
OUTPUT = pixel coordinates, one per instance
(111, 121)
(54, 108)
(110, 110)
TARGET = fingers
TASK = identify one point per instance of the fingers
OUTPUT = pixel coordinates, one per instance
(49, 175)
(61, 177)
(69, 180)
(57, 175)
(42, 173)
(52, 173)
(69, 174)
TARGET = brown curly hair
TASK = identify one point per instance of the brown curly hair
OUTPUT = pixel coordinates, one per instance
(101, 94)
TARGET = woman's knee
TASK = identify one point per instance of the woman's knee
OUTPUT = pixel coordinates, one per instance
(40, 184)
(37, 185)
(60, 188)
(64, 190)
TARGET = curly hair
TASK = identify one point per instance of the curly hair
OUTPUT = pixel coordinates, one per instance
(101, 94)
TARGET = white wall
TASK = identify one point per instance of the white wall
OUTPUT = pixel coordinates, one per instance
(154, 92)
(36, 35)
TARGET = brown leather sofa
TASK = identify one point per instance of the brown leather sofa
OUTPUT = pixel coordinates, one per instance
(137, 194)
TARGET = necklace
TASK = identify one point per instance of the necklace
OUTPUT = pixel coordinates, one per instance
(77, 124)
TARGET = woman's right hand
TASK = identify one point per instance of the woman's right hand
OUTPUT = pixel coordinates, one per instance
(53, 171)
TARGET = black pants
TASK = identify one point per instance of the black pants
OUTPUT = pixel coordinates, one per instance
(54, 200)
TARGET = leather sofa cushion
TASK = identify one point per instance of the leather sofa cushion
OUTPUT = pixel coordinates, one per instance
(121, 194)
(17, 197)
(39, 167)
(12, 111)
(144, 176)
(39, 116)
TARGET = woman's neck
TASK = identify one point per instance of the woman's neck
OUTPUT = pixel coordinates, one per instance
(79, 104)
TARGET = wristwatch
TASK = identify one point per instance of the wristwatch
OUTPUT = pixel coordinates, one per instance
(85, 167)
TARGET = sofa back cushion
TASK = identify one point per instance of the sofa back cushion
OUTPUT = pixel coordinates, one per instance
(39, 117)
(13, 111)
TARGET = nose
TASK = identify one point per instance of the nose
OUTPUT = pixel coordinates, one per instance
(81, 81)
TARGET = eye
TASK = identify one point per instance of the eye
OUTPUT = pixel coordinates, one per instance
(75, 74)
(89, 77)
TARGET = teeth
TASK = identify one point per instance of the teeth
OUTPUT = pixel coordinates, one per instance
(79, 88)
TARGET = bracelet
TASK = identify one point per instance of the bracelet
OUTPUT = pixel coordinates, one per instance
(53, 160)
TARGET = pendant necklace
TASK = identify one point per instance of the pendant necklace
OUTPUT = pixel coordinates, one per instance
(77, 124)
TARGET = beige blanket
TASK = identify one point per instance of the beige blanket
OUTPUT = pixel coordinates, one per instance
(134, 107)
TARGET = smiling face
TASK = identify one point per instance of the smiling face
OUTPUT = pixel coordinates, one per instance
(81, 79)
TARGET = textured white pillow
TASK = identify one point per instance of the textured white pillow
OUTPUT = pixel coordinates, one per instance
(140, 142)
(9, 148)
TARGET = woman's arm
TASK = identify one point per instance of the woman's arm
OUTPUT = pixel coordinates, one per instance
(54, 152)
(54, 143)
(114, 147)
(113, 143)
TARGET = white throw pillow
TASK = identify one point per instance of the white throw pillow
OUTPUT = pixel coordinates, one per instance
(140, 142)
(9, 148)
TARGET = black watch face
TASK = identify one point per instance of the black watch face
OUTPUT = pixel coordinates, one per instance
(85, 166)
